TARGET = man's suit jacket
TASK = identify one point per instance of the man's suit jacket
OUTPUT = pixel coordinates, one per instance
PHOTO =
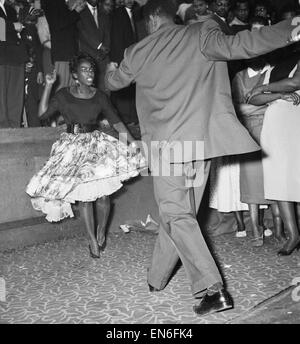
(63, 30)
(183, 91)
(90, 36)
(122, 35)
(12, 50)
(223, 25)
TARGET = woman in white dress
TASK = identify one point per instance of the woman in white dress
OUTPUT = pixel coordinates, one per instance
(281, 146)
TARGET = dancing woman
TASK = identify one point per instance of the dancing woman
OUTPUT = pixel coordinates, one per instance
(85, 164)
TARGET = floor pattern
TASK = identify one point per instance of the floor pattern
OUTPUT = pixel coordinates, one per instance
(57, 282)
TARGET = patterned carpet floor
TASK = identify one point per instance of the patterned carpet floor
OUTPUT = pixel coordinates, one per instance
(57, 282)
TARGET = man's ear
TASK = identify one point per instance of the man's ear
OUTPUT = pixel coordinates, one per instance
(155, 21)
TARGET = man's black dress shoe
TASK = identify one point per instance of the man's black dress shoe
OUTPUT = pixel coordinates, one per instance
(152, 289)
(217, 302)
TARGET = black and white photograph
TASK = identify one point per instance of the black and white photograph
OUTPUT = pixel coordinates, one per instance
(149, 165)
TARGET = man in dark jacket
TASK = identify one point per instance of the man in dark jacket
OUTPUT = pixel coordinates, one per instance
(126, 30)
(64, 37)
(94, 37)
(12, 58)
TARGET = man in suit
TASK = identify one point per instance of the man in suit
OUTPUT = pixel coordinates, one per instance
(124, 32)
(12, 59)
(240, 21)
(220, 14)
(184, 102)
(94, 37)
(64, 37)
(33, 68)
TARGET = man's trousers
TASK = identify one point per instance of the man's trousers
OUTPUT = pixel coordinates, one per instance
(179, 232)
(12, 79)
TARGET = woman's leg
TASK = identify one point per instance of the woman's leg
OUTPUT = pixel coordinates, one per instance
(257, 229)
(102, 211)
(87, 212)
(267, 231)
(298, 213)
(240, 221)
(278, 224)
(287, 212)
(241, 231)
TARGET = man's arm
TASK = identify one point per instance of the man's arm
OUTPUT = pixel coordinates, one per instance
(215, 45)
(119, 77)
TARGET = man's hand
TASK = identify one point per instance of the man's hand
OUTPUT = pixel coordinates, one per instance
(18, 26)
(111, 67)
(40, 78)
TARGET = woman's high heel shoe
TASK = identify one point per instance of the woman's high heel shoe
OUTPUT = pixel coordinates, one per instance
(285, 252)
(93, 255)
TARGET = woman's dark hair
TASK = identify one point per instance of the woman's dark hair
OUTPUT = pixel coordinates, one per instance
(77, 59)
(165, 8)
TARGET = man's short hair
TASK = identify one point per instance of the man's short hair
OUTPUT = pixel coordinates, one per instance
(163, 8)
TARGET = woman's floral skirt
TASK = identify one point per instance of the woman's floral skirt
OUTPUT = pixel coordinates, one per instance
(81, 167)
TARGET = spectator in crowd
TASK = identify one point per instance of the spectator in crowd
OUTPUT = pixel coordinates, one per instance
(280, 143)
(177, 106)
(94, 37)
(262, 9)
(251, 171)
(221, 10)
(197, 11)
(33, 68)
(124, 32)
(200, 7)
(13, 57)
(119, 3)
(241, 12)
(64, 37)
(107, 6)
(45, 39)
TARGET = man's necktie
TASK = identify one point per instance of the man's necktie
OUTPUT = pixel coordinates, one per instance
(131, 21)
(95, 15)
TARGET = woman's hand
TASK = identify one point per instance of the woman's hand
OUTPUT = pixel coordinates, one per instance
(134, 148)
(291, 97)
(50, 78)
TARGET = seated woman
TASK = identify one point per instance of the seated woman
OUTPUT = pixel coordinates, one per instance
(85, 164)
(280, 143)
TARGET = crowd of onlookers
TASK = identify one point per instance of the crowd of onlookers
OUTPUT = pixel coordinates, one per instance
(40, 35)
